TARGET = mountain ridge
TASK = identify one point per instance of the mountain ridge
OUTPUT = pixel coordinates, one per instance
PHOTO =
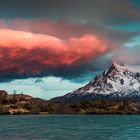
(117, 82)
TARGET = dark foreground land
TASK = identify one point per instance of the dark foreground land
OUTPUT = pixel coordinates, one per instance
(24, 104)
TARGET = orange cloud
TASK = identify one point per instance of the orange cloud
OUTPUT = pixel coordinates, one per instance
(57, 51)
(25, 53)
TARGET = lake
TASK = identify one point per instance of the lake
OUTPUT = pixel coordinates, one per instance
(70, 127)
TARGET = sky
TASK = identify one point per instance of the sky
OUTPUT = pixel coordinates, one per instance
(51, 47)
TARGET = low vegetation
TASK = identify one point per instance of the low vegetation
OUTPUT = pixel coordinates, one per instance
(24, 104)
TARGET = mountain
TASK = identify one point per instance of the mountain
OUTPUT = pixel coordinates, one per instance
(117, 82)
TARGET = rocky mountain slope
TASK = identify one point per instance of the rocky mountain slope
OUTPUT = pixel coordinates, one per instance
(117, 82)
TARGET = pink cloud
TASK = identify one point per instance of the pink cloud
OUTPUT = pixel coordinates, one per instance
(25, 52)
(67, 52)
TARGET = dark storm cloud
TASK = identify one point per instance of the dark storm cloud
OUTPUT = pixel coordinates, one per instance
(108, 11)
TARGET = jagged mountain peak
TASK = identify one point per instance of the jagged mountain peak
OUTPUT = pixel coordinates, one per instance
(115, 67)
(118, 66)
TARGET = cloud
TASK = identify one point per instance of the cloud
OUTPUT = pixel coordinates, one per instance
(117, 12)
(66, 29)
(24, 54)
(101, 11)
(38, 80)
(41, 47)
(129, 56)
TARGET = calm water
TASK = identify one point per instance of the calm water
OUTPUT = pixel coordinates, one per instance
(88, 127)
